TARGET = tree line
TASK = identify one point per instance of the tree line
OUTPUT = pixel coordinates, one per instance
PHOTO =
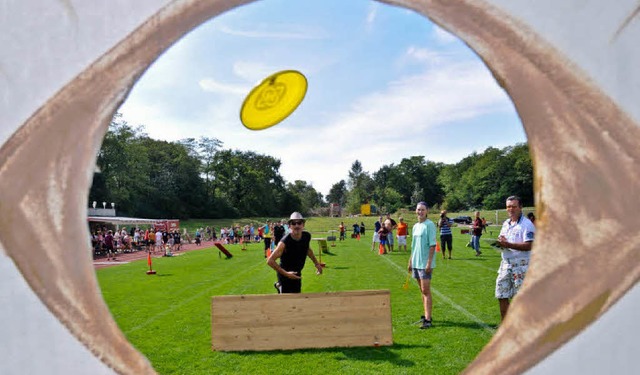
(198, 178)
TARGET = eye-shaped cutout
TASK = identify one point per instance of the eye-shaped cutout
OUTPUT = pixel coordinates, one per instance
(583, 147)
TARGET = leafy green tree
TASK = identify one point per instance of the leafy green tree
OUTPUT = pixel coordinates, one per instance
(338, 193)
(249, 182)
(122, 162)
(207, 148)
(308, 196)
(361, 188)
(417, 194)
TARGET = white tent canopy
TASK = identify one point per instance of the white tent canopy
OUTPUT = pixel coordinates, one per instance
(121, 220)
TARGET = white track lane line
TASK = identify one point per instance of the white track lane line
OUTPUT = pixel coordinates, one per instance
(450, 302)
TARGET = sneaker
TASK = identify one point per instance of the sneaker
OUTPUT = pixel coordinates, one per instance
(426, 324)
(277, 286)
(421, 321)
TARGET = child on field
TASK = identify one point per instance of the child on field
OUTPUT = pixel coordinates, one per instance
(383, 234)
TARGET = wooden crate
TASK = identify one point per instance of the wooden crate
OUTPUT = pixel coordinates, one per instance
(296, 321)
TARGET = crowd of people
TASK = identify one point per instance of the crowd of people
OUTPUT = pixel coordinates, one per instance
(110, 242)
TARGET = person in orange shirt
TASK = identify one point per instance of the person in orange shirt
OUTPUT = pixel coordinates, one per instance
(402, 234)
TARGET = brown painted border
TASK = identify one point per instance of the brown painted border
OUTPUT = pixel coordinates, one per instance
(583, 146)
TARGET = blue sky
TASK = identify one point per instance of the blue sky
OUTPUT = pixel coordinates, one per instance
(384, 84)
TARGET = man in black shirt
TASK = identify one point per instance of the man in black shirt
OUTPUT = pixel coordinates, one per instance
(278, 232)
(293, 251)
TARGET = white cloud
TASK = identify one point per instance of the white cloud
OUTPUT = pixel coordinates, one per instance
(275, 31)
(252, 71)
(424, 56)
(371, 16)
(442, 36)
(211, 85)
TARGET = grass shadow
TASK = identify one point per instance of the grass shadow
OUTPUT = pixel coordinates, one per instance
(467, 325)
(360, 353)
(329, 253)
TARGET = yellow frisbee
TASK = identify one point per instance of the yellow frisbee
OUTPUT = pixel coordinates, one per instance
(275, 98)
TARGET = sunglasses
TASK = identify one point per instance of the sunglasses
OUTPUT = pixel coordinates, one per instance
(296, 222)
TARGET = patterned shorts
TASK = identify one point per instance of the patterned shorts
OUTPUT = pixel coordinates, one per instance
(510, 277)
(421, 274)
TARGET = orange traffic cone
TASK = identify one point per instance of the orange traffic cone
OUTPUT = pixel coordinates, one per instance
(381, 249)
(437, 247)
(151, 271)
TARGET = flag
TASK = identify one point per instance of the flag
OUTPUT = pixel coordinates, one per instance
(405, 286)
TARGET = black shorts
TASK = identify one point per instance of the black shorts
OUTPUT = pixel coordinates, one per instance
(288, 285)
(446, 240)
(267, 243)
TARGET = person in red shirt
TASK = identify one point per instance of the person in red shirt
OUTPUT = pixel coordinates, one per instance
(402, 234)
(477, 233)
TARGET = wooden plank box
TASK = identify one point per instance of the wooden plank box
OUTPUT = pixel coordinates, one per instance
(297, 321)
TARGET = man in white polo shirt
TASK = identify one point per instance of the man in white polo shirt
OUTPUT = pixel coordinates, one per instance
(516, 238)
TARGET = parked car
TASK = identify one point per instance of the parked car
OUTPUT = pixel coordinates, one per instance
(463, 220)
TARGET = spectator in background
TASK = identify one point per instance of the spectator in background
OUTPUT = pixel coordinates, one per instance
(214, 235)
(109, 246)
(266, 235)
(116, 240)
(391, 228)
(531, 218)
(383, 234)
(260, 233)
(376, 237)
(177, 240)
(402, 234)
(152, 240)
(516, 239)
(198, 237)
(136, 239)
(186, 236)
(477, 233)
(159, 243)
(446, 237)
(278, 232)
(342, 230)
(362, 228)
(246, 236)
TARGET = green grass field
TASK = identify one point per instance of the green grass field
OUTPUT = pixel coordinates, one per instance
(168, 316)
